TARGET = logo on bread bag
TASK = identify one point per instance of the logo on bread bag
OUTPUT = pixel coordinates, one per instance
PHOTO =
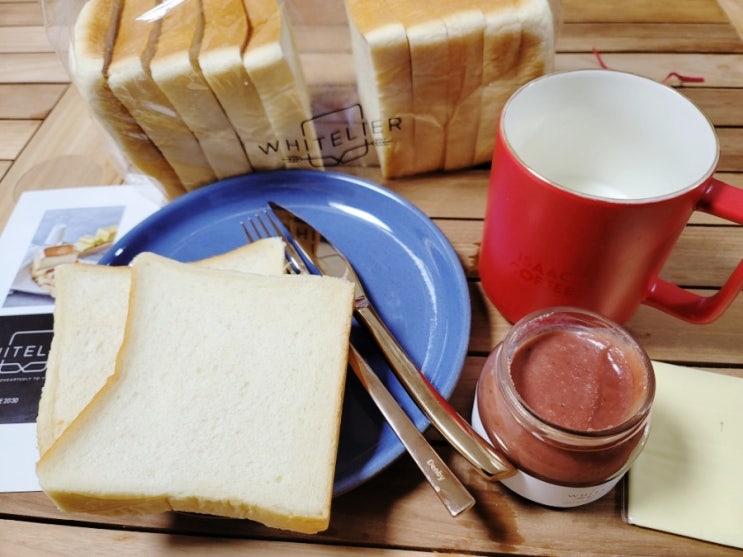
(24, 348)
(337, 138)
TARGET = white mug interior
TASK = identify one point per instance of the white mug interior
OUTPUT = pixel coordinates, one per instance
(610, 135)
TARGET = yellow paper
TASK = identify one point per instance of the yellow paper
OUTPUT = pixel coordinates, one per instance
(689, 478)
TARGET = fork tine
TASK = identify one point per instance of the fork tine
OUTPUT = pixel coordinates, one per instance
(293, 256)
(247, 232)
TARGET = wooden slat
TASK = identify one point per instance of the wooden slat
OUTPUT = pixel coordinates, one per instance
(718, 70)
(724, 107)
(20, 13)
(649, 37)
(399, 510)
(29, 101)
(731, 148)
(664, 337)
(642, 11)
(24, 539)
(669, 339)
(734, 178)
(45, 67)
(14, 135)
(61, 155)
(734, 11)
(24, 39)
(691, 263)
(467, 199)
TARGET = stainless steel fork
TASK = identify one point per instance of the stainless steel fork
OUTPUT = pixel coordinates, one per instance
(447, 486)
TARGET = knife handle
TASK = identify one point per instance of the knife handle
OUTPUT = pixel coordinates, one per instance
(447, 486)
(455, 429)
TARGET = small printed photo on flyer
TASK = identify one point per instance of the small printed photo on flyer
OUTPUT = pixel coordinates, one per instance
(63, 236)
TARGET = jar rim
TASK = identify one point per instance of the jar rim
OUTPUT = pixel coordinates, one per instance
(533, 324)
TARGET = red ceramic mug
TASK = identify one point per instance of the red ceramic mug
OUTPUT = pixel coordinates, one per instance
(595, 174)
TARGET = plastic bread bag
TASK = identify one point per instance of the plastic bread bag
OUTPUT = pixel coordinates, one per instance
(194, 91)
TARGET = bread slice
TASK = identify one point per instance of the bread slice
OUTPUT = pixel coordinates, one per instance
(383, 73)
(90, 55)
(89, 316)
(225, 38)
(264, 257)
(519, 42)
(176, 71)
(131, 82)
(89, 319)
(465, 31)
(272, 62)
(428, 46)
(226, 400)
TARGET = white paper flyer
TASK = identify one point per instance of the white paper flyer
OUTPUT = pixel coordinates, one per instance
(47, 228)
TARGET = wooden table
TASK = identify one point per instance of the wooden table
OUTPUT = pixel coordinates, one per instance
(47, 139)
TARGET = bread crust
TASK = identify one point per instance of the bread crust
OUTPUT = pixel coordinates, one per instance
(198, 416)
(131, 82)
(90, 55)
(175, 68)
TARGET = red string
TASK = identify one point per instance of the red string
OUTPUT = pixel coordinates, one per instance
(680, 77)
(684, 78)
(600, 60)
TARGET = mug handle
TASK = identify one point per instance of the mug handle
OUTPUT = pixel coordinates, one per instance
(725, 201)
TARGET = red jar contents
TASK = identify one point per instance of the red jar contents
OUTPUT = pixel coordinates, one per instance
(579, 379)
(566, 396)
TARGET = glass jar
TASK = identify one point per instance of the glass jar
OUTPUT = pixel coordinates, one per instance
(566, 397)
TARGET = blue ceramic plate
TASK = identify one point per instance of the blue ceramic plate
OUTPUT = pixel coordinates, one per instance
(408, 267)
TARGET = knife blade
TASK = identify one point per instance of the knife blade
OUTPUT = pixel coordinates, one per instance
(317, 249)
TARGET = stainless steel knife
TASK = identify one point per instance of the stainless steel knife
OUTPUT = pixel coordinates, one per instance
(455, 429)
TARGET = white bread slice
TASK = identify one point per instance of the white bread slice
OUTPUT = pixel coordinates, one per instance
(130, 80)
(519, 46)
(201, 415)
(272, 62)
(465, 31)
(225, 38)
(90, 54)
(430, 68)
(263, 257)
(89, 319)
(176, 71)
(383, 73)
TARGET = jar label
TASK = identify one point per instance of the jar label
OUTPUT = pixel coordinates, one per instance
(553, 495)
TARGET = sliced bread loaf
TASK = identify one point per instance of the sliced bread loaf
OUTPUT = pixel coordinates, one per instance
(90, 55)
(176, 71)
(226, 400)
(130, 80)
(383, 74)
(518, 46)
(226, 35)
(442, 73)
(272, 62)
